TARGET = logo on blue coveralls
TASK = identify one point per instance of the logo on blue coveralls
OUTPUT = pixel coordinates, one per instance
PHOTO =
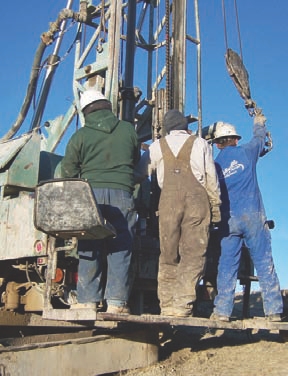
(232, 169)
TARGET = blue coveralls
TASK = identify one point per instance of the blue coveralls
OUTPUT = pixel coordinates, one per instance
(244, 219)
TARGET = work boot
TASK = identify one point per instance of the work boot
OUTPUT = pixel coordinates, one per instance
(275, 317)
(167, 311)
(118, 309)
(216, 317)
(184, 312)
(87, 306)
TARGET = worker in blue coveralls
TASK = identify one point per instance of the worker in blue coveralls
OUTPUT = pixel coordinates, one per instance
(243, 219)
(104, 152)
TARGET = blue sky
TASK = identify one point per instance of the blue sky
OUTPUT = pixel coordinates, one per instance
(264, 31)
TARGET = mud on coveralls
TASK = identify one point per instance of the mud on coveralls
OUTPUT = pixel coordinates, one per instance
(184, 218)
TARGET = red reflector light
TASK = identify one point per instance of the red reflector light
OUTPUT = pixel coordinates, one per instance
(38, 246)
(58, 275)
(75, 277)
(42, 260)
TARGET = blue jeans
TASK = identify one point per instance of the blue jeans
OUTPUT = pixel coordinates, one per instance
(255, 232)
(117, 207)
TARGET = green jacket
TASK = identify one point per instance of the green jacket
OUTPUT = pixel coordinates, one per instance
(104, 152)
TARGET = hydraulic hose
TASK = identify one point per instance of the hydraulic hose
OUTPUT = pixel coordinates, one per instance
(47, 38)
(29, 94)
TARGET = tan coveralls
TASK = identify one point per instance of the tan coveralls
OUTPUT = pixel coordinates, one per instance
(184, 218)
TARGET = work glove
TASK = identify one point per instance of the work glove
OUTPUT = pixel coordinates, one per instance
(260, 119)
(215, 214)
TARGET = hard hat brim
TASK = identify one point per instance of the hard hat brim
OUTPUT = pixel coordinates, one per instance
(215, 140)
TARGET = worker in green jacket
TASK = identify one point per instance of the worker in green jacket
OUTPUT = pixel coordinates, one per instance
(105, 152)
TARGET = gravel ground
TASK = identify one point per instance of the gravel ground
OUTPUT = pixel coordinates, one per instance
(202, 352)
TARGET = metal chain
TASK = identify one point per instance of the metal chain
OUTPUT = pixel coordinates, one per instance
(168, 62)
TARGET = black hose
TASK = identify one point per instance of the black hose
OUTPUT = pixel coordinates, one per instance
(29, 94)
(46, 39)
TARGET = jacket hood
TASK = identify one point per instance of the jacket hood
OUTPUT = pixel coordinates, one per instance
(102, 120)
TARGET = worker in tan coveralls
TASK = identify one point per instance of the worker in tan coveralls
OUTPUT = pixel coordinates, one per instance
(189, 202)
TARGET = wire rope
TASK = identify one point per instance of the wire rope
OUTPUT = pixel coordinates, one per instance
(237, 25)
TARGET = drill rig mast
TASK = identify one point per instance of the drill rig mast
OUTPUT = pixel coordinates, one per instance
(136, 53)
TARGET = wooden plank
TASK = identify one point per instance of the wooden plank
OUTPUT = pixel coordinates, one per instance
(80, 318)
(253, 323)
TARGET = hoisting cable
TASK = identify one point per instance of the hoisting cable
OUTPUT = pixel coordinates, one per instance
(239, 75)
(238, 29)
(237, 25)
(225, 24)
(235, 66)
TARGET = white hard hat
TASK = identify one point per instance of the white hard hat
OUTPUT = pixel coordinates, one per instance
(90, 96)
(225, 130)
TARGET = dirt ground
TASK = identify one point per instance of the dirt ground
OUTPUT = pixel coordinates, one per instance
(202, 352)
